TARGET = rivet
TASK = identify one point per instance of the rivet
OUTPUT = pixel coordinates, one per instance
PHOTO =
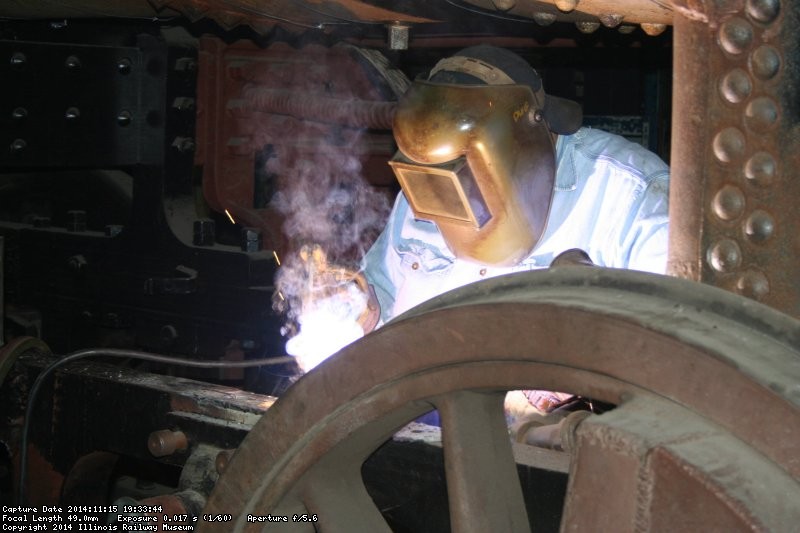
(72, 114)
(124, 65)
(724, 255)
(625, 29)
(761, 114)
(415, 266)
(735, 86)
(587, 27)
(504, 5)
(566, 5)
(17, 145)
(759, 226)
(611, 20)
(653, 29)
(735, 35)
(760, 169)
(19, 113)
(483, 272)
(18, 59)
(124, 118)
(765, 62)
(544, 19)
(729, 144)
(763, 10)
(753, 284)
(728, 203)
(536, 116)
(72, 63)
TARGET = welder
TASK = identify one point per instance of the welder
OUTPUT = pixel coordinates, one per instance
(497, 177)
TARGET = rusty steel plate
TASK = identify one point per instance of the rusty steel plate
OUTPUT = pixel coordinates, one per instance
(704, 435)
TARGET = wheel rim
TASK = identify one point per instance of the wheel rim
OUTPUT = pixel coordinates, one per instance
(691, 368)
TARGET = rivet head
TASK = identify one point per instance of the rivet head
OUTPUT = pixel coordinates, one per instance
(611, 20)
(728, 203)
(504, 5)
(763, 10)
(760, 169)
(729, 144)
(761, 114)
(765, 62)
(19, 113)
(587, 27)
(653, 29)
(72, 114)
(566, 5)
(735, 35)
(415, 266)
(724, 255)
(72, 63)
(735, 86)
(625, 29)
(124, 65)
(483, 272)
(544, 19)
(18, 59)
(753, 284)
(759, 226)
(17, 145)
(124, 118)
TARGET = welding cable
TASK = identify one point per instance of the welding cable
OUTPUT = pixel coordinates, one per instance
(128, 354)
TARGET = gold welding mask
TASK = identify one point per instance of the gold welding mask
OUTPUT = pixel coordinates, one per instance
(479, 161)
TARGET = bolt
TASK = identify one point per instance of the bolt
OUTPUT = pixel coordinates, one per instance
(183, 103)
(41, 222)
(19, 113)
(183, 144)
(76, 220)
(112, 230)
(204, 232)
(251, 240)
(77, 263)
(18, 145)
(398, 36)
(124, 118)
(185, 64)
(166, 442)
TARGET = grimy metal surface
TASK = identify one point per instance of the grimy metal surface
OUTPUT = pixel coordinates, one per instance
(736, 148)
(704, 433)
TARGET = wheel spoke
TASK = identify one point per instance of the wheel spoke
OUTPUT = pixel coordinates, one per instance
(482, 481)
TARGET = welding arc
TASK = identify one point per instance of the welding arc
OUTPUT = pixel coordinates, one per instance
(129, 354)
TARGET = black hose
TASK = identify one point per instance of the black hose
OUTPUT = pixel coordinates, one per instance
(131, 354)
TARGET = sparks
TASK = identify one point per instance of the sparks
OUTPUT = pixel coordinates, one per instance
(230, 216)
(277, 259)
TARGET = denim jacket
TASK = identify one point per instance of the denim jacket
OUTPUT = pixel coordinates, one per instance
(610, 200)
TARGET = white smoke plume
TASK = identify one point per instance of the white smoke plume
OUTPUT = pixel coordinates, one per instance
(329, 208)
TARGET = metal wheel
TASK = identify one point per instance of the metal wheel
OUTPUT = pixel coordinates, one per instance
(704, 436)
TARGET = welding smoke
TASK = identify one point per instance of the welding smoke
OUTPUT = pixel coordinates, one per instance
(328, 209)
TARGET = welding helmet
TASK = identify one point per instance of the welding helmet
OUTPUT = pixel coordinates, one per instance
(476, 154)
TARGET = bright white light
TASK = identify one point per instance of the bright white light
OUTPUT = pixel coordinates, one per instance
(327, 326)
